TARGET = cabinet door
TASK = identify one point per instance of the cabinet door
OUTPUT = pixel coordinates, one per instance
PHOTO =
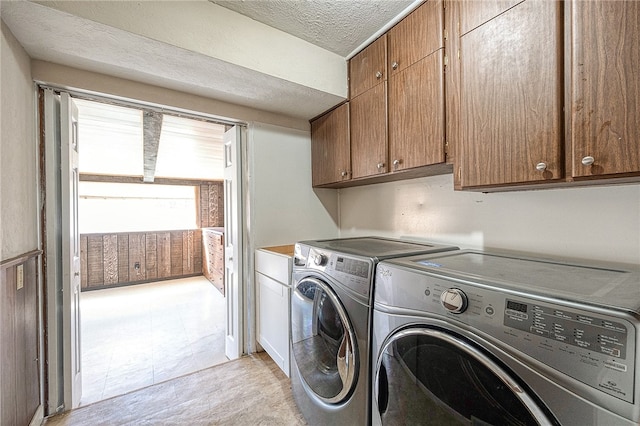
(416, 115)
(330, 152)
(475, 13)
(511, 103)
(368, 114)
(416, 36)
(368, 68)
(605, 122)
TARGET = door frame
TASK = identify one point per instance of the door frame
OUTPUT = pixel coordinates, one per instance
(54, 386)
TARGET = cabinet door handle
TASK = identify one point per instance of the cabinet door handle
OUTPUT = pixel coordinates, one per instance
(378, 75)
(380, 166)
(587, 161)
(344, 173)
(396, 163)
(394, 65)
(541, 167)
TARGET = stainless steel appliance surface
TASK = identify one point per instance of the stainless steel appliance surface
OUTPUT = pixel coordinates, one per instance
(471, 337)
(331, 324)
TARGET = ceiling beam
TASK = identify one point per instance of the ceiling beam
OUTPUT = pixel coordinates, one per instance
(152, 125)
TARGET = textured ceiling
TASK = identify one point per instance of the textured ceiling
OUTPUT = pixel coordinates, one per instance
(338, 26)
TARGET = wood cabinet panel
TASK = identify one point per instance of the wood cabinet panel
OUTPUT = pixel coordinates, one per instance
(605, 105)
(475, 13)
(416, 36)
(511, 102)
(330, 150)
(416, 115)
(213, 257)
(368, 115)
(368, 68)
(452, 85)
(211, 205)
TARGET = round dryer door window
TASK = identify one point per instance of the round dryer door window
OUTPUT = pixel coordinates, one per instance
(430, 377)
(323, 341)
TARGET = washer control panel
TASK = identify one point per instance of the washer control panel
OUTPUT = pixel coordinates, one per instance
(595, 349)
(352, 272)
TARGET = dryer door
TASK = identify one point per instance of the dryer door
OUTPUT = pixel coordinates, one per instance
(323, 341)
(431, 377)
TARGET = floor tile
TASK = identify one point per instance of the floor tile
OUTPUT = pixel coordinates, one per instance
(139, 335)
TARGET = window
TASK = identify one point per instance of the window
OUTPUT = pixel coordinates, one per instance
(127, 207)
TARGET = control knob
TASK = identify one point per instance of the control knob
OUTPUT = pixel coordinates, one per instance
(454, 300)
(320, 259)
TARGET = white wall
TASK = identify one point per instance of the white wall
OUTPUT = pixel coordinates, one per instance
(18, 175)
(284, 207)
(600, 222)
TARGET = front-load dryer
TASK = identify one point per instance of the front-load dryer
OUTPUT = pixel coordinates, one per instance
(330, 324)
(480, 338)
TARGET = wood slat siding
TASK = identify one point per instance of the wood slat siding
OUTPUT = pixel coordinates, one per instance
(164, 254)
(123, 258)
(111, 258)
(211, 205)
(176, 253)
(19, 375)
(95, 260)
(137, 257)
(110, 243)
(151, 267)
(197, 244)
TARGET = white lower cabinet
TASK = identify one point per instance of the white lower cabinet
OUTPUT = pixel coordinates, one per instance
(273, 278)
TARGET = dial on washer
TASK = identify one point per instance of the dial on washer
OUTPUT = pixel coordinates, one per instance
(454, 300)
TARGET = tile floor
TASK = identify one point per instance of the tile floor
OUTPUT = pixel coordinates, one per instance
(140, 335)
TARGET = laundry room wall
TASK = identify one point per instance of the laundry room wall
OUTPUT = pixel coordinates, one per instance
(597, 222)
(20, 329)
(18, 175)
(284, 207)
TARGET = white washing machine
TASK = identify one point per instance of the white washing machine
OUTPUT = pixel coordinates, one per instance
(479, 338)
(331, 324)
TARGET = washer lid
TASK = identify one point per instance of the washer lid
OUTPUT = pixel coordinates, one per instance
(611, 285)
(377, 247)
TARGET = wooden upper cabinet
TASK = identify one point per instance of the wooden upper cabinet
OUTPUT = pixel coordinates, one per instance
(330, 152)
(416, 115)
(416, 36)
(416, 89)
(368, 68)
(476, 12)
(605, 91)
(368, 115)
(511, 117)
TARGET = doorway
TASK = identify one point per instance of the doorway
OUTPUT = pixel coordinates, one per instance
(163, 138)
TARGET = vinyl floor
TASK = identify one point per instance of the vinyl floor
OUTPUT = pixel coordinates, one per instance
(249, 391)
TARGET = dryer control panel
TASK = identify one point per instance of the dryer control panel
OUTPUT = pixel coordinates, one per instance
(353, 272)
(595, 346)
